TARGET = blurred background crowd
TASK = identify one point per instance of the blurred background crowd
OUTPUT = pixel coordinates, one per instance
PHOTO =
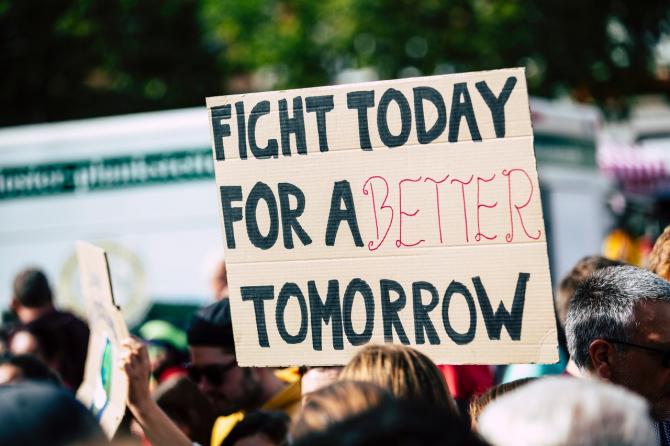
(609, 387)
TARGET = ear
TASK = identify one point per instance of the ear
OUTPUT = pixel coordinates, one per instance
(14, 305)
(602, 355)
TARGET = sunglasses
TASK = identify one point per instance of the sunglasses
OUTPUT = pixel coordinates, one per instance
(665, 358)
(213, 373)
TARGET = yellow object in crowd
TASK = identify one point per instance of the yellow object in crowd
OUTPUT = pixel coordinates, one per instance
(287, 401)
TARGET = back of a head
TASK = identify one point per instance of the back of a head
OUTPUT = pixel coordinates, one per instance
(480, 402)
(31, 288)
(400, 423)
(603, 306)
(272, 426)
(582, 269)
(405, 372)
(39, 414)
(335, 403)
(561, 411)
(182, 401)
(659, 259)
(29, 368)
(212, 326)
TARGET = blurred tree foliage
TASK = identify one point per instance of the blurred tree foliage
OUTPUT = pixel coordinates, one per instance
(66, 59)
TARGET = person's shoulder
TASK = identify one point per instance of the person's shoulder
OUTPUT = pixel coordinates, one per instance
(58, 319)
(69, 317)
(75, 324)
(223, 425)
(288, 400)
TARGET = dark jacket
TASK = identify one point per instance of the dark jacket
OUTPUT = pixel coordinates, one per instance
(63, 341)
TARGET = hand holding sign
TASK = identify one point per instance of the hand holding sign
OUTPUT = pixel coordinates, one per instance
(157, 426)
(134, 360)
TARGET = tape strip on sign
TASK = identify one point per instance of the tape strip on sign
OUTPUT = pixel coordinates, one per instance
(403, 211)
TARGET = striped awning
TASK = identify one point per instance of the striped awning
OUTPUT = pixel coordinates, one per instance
(638, 168)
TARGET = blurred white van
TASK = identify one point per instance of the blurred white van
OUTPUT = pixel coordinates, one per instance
(141, 186)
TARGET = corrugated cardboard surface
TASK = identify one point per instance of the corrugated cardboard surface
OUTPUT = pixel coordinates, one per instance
(483, 220)
(106, 324)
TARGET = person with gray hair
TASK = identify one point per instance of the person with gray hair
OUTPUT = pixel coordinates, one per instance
(562, 411)
(618, 329)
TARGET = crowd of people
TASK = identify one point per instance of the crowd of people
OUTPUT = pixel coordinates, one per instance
(610, 387)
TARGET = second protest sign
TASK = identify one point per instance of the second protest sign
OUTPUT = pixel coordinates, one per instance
(402, 211)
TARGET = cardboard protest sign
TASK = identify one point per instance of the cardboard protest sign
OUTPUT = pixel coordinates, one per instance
(403, 211)
(105, 387)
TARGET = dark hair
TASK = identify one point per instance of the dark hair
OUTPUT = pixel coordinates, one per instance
(181, 400)
(4, 338)
(273, 425)
(39, 414)
(31, 288)
(62, 343)
(401, 423)
(581, 270)
(32, 368)
(603, 306)
(212, 326)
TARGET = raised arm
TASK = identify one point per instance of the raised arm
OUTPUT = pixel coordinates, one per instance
(159, 429)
